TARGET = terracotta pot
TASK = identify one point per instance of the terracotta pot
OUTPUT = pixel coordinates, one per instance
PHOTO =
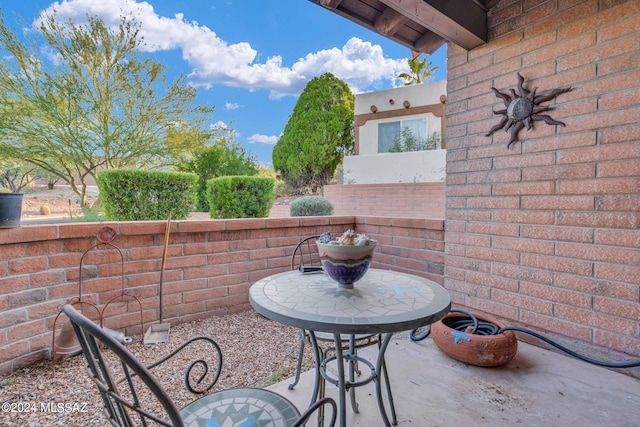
(474, 349)
(66, 343)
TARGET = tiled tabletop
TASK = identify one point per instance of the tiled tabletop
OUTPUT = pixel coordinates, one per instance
(240, 407)
(382, 301)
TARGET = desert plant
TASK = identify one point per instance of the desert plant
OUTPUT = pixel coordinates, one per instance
(240, 196)
(311, 206)
(15, 174)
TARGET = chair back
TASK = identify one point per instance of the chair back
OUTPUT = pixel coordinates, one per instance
(122, 403)
(306, 254)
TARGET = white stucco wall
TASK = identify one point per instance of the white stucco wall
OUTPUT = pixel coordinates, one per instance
(422, 94)
(371, 167)
(415, 166)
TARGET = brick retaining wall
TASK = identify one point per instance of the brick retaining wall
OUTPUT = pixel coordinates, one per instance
(210, 266)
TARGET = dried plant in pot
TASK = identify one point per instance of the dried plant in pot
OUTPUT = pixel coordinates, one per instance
(472, 348)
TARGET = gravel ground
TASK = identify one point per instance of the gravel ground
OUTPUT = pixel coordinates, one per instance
(256, 352)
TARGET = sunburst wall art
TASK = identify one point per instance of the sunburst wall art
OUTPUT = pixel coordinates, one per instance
(523, 109)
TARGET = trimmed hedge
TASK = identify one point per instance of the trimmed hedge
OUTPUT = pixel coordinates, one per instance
(139, 195)
(240, 196)
(311, 206)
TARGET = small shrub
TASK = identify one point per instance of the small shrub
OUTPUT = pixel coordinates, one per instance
(138, 195)
(89, 215)
(311, 206)
(240, 196)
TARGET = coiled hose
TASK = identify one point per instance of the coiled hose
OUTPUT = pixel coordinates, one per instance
(487, 328)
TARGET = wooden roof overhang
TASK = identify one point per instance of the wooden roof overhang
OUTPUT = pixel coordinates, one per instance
(420, 25)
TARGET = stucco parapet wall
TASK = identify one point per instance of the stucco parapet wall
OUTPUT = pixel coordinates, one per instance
(393, 99)
(40, 232)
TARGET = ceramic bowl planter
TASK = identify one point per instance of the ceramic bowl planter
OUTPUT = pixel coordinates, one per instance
(10, 209)
(344, 263)
(474, 349)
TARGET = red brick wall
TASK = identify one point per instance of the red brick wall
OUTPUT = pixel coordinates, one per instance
(547, 233)
(399, 200)
(410, 245)
(210, 266)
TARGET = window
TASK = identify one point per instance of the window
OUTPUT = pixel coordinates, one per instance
(406, 135)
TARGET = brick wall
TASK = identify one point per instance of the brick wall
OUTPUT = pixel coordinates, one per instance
(546, 233)
(409, 245)
(210, 266)
(399, 200)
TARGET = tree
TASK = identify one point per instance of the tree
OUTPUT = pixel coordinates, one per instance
(419, 71)
(318, 134)
(15, 175)
(225, 157)
(101, 105)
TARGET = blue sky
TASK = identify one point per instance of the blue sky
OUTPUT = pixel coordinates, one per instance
(250, 59)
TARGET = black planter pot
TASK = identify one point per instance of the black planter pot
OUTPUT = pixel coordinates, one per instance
(10, 209)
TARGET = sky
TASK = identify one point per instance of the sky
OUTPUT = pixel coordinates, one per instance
(250, 59)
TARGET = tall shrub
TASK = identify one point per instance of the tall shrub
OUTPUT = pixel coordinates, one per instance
(318, 134)
(240, 196)
(224, 158)
(137, 195)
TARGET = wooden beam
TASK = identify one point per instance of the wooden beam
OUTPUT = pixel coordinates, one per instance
(389, 21)
(429, 42)
(330, 4)
(462, 22)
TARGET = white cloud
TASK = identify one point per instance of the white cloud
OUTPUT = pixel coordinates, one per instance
(216, 62)
(219, 125)
(231, 106)
(262, 139)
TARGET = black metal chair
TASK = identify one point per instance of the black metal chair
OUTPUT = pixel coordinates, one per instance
(132, 396)
(306, 258)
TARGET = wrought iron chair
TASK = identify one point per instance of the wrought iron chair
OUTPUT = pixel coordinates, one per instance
(132, 396)
(306, 258)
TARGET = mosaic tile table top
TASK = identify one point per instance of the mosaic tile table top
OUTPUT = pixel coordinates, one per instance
(382, 301)
(241, 407)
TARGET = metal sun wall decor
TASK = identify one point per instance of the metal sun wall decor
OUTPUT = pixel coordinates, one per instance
(523, 108)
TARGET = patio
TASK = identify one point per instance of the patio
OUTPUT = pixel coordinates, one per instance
(544, 234)
(537, 388)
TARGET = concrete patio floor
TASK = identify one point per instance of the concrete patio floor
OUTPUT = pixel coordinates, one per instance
(537, 388)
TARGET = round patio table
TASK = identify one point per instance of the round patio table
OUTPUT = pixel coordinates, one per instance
(382, 302)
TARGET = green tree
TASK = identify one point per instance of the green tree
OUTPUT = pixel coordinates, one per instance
(15, 175)
(419, 71)
(101, 105)
(225, 157)
(318, 134)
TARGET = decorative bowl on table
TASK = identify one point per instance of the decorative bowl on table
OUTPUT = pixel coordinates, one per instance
(346, 263)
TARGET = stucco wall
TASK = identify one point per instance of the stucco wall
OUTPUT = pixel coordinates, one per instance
(416, 166)
(547, 233)
(370, 167)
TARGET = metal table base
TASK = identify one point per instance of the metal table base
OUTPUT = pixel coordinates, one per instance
(376, 374)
